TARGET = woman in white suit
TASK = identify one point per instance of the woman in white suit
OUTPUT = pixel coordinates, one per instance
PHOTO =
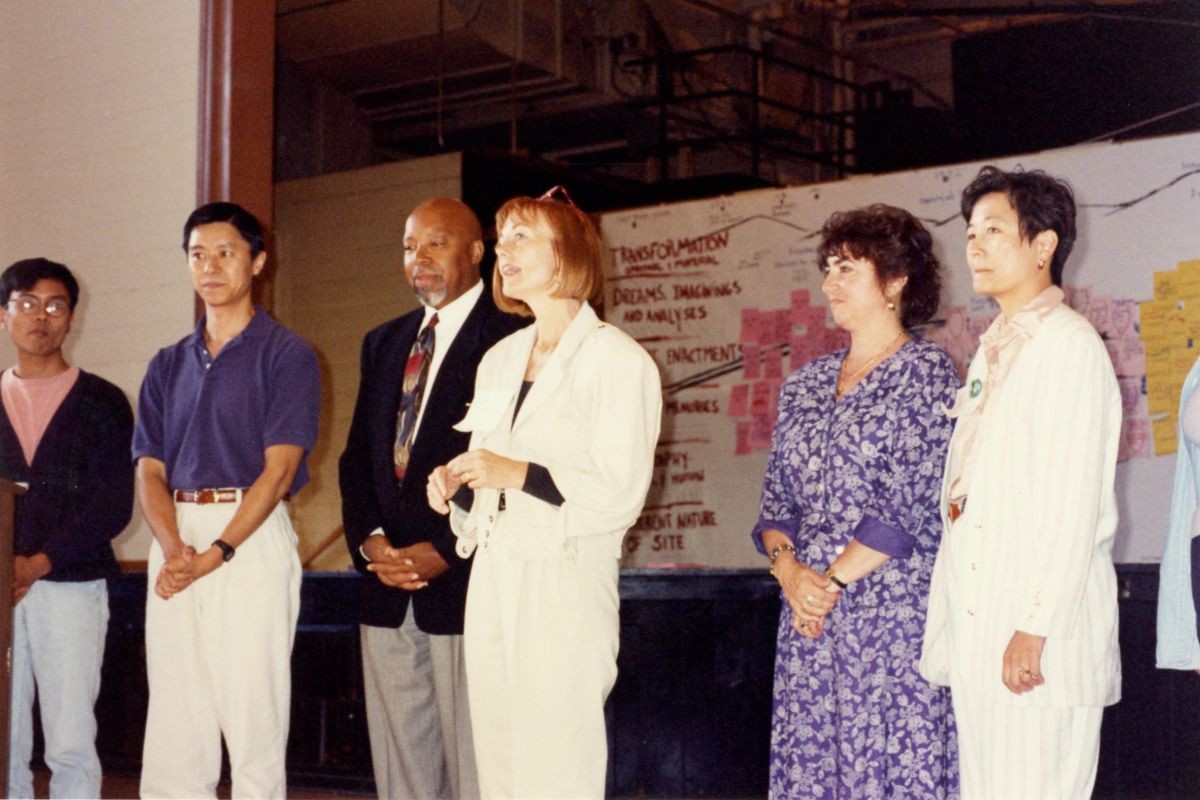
(1022, 620)
(563, 428)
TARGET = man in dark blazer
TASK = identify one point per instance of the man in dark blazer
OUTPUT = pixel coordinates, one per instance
(414, 585)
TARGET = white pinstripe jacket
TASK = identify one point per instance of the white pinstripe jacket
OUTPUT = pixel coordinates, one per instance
(1033, 550)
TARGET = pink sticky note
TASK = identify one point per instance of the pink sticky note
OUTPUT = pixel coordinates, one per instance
(1128, 355)
(956, 322)
(1078, 297)
(760, 399)
(815, 318)
(739, 399)
(773, 362)
(751, 361)
(760, 432)
(742, 446)
(977, 324)
(1099, 313)
(1135, 439)
(751, 325)
(835, 339)
(1131, 396)
(774, 408)
(801, 351)
(782, 320)
(1124, 314)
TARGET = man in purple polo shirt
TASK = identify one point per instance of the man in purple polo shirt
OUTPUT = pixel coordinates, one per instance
(225, 419)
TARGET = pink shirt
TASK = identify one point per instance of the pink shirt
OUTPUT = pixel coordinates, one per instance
(1001, 343)
(31, 404)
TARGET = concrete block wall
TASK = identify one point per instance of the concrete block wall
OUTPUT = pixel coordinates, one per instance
(98, 102)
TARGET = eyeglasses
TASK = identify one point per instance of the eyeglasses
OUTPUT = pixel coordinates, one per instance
(29, 305)
(559, 195)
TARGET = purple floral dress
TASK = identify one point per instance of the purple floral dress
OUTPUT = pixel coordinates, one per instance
(852, 717)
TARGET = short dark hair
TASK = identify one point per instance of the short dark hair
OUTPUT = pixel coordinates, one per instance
(24, 275)
(1042, 202)
(246, 223)
(897, 245)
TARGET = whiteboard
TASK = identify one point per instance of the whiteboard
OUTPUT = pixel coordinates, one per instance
(725, 295)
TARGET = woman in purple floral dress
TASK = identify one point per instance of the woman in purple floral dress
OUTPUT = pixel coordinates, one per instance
(850, 521)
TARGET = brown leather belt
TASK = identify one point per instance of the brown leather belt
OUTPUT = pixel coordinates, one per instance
(206, 496)
(957, 509)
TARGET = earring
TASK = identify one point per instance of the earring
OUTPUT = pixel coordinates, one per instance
(1041, 265)
(891, 306)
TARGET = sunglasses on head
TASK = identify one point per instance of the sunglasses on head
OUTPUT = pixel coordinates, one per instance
(559, 194)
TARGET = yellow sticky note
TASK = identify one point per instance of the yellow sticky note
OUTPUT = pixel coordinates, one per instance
(1160, 400)
(1188, 282)
(1164, 436)
(1166, 283)
(1158, 348)
(1181, 362)
(1152, 313)
(1190, 314)
(1174, 331)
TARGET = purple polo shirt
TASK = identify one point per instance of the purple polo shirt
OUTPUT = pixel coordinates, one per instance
(210, 419)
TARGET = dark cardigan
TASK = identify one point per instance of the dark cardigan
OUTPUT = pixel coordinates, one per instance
(80, 483)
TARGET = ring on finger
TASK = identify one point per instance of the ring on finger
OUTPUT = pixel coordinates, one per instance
(810, 601)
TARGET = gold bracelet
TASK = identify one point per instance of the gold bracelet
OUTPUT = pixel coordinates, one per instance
(779, 550)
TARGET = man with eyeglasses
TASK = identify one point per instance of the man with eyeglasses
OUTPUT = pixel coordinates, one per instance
(65, 435)
(226, 418)
(418, 376)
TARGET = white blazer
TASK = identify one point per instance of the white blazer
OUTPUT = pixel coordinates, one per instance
(1033, 549)
(591, 418)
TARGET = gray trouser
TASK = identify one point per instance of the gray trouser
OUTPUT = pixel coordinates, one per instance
(417, 715)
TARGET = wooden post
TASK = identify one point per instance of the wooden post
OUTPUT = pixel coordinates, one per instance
(234, 159)
(8, 494)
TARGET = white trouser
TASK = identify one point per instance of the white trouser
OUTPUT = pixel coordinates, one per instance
(541, 643)
(58, 644)
(218, 660)
(1025, 753)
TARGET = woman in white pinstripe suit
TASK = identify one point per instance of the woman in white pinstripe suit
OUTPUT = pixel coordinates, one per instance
(1022, 622)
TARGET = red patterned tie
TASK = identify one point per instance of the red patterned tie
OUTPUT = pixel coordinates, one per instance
(412, 391)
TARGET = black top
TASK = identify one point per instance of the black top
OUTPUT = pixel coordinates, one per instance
(80, 482)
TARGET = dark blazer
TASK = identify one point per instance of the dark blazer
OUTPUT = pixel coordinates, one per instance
(371, 496)
(80, 482)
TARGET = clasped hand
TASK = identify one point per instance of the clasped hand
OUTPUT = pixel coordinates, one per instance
(184, 567)
(478, 469)
(810, 594)
(408, 568)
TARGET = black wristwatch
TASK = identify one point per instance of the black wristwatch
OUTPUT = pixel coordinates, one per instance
(227, 550)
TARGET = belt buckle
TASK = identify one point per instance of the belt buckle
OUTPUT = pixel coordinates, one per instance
(204, 497)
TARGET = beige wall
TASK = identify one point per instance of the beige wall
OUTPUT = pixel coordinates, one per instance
(339, 252)
(98, 118)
